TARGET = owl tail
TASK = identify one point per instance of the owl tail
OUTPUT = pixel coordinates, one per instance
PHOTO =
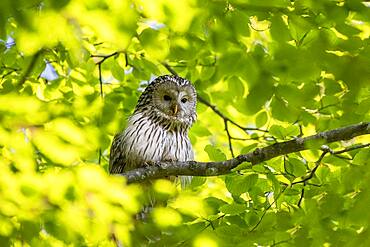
(185, 181)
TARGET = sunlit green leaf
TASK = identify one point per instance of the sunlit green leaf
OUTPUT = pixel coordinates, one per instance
(240, 184)
(261, 119)
(214, 154)
(296, 167)
(165, 217)
(362, 157)
(118, 72)
(233, 209)
(277, 131)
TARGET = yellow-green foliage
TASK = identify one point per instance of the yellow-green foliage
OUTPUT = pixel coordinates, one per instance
(282, 65)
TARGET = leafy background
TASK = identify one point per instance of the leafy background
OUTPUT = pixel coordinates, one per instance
(71, 72)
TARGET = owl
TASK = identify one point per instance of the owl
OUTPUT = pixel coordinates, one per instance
(158, 128)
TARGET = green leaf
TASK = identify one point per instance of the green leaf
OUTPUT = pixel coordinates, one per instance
(280, 110)
(332, 87)
(235, 86)
(362, 157)
(314, 144)
(214, 153)
(233, 209)
(197, 181)
(233, 63)
(296, 167)
(29, 230)
(258, 96)
(364, 107)
(200, 131)
(299, 26)
(251, 218)
(292, 130)
(238, 185)
(155, 43)
(277, 131)
(249, 148)
(238, 22)
(117, 71)
(214, 203)
(261, 119)
(226, 231)
(279, 30)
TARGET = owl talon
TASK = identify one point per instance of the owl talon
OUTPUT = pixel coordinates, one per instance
(157, 163)
(148, 164)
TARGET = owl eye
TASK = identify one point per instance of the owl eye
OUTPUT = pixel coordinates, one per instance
(167, 98)
(184, 100)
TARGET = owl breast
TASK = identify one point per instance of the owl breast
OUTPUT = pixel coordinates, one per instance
(145, 140)
(177, 147)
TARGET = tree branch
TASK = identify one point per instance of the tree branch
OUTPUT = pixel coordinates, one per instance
(194, 168)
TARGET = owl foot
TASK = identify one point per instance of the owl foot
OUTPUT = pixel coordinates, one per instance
(151, 163)
(148, 164)
(169, 160)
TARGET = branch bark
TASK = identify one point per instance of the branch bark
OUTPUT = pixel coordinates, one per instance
(194, 168)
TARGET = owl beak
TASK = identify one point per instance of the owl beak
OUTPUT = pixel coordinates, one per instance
(175, 109)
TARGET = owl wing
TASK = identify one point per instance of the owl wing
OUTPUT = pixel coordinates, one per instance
(117, 155)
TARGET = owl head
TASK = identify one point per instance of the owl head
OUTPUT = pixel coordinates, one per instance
(170, 98)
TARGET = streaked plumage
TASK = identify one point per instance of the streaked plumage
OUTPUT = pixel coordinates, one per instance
(158, 128)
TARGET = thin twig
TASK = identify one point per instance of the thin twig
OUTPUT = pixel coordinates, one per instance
(99, 63)
(266, 209)
(229, 139)
(351, 148)
(169, 68)
(100, 81)
(326, 151)
(100, 156)
(312, 172)
(301, 197)
(219, 113)
(9, 73)
(126, 60)
(105, 57)
(304, 181)
(324, 107)
(281, 242)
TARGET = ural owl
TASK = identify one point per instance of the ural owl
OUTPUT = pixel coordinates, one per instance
(158, 128)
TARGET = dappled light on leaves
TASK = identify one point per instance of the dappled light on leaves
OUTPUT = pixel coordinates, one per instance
(267, 74)
(190, 205)
(164, 187)
(205, 240)
(165, 217)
